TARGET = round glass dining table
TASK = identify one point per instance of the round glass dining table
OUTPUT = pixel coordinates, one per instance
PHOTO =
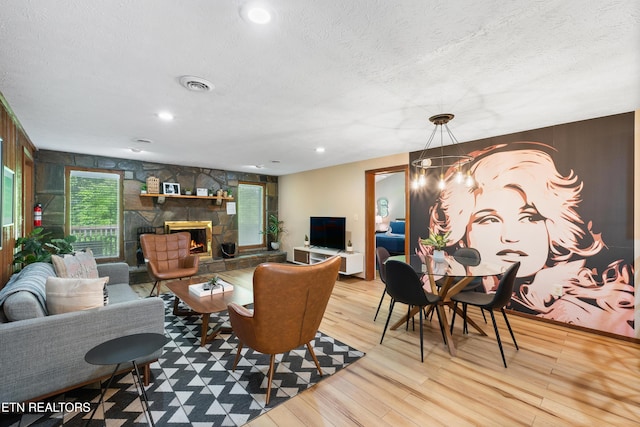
(452, 276)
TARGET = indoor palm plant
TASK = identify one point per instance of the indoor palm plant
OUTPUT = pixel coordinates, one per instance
(275, 228)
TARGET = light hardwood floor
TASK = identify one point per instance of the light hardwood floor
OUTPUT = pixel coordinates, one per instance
(559, 377)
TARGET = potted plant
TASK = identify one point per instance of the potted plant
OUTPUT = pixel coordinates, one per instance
(306, 240)
(438, 242)
(143, 189)
(349, 246)
(38, 247)
(187, 191)
(274, 229)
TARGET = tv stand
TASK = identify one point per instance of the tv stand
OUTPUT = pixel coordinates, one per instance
(352, 263)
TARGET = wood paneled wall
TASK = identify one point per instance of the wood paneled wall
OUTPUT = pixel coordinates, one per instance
(17, 155)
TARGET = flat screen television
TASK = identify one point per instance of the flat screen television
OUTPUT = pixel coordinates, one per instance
(327, 232)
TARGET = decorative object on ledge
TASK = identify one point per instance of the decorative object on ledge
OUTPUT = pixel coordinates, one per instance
(171, 188)
(202, 192)
(349, 247)
(442, 162)
(153, 185)
(306, 241)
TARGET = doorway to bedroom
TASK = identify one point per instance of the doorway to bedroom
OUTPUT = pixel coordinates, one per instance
(387, 213)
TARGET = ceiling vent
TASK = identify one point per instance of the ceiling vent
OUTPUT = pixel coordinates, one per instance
(196, 84)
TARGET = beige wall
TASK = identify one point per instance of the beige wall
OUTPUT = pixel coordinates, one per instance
(333, 191)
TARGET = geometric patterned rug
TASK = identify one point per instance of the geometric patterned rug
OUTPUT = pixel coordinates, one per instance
(194, 386)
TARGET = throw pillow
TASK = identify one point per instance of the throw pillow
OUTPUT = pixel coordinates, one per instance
(74, 294)
(82, 264)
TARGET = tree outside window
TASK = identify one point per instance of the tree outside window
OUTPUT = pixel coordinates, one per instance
(94, 211)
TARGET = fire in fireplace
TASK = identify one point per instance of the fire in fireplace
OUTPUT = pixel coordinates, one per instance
(200, 234)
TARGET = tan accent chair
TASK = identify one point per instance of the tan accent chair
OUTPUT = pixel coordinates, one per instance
(289, 303)
(168, 257)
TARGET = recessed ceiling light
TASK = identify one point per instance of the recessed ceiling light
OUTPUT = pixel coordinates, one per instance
(165, 115)
(135, 150)
(143, 140)
(320, 150)
(258, 15)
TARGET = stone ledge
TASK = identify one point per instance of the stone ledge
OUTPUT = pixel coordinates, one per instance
(215, 265)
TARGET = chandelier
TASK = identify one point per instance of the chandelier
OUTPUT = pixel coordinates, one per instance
(442, 163)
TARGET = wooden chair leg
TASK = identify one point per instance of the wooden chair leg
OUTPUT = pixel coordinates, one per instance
(146, 374)
(235, 362)
(313, 355)
(154, 287)
(270, 377)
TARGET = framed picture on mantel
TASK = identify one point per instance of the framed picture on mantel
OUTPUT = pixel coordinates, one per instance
(171, 188)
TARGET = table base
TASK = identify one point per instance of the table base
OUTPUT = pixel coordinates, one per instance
(205, 335)
(142, 394)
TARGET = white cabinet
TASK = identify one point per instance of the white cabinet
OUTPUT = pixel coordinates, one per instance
(352, 263)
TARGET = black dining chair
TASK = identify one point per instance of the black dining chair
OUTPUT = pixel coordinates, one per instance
(382, 254)
(403, 285)
(469, 257)
(491, 302)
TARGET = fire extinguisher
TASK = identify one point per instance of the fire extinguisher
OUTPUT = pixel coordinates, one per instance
(37, 215)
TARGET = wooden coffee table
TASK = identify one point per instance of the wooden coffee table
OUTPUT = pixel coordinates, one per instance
(207, 304)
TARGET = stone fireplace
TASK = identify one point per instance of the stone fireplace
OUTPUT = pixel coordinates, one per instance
(200, 235)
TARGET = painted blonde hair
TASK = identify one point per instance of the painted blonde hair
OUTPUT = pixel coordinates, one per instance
(532, 172)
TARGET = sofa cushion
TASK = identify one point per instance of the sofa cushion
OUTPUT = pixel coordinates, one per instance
(121, 292)
(396, 227)
(82, 264)
(74, 294)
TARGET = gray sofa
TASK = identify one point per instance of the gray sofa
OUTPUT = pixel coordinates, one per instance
(43, 354)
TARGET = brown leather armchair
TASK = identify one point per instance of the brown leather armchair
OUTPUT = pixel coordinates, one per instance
(168, 257)
(289, 303)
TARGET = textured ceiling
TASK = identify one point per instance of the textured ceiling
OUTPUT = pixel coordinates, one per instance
(358, 77)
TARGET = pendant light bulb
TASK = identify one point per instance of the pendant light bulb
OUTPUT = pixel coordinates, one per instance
(468, 181)
(459, 177)
(441, 183)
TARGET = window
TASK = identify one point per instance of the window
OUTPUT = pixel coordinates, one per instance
(94, 211)
(251, 215)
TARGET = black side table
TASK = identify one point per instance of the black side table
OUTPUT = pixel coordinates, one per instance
(122, 350)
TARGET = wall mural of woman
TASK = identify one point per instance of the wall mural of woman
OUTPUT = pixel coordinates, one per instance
(523, 207)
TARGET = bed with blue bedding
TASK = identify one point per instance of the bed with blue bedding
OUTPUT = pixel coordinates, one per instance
(393, 239)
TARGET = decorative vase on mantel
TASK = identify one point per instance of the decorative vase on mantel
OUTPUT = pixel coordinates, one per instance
(275, 245)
